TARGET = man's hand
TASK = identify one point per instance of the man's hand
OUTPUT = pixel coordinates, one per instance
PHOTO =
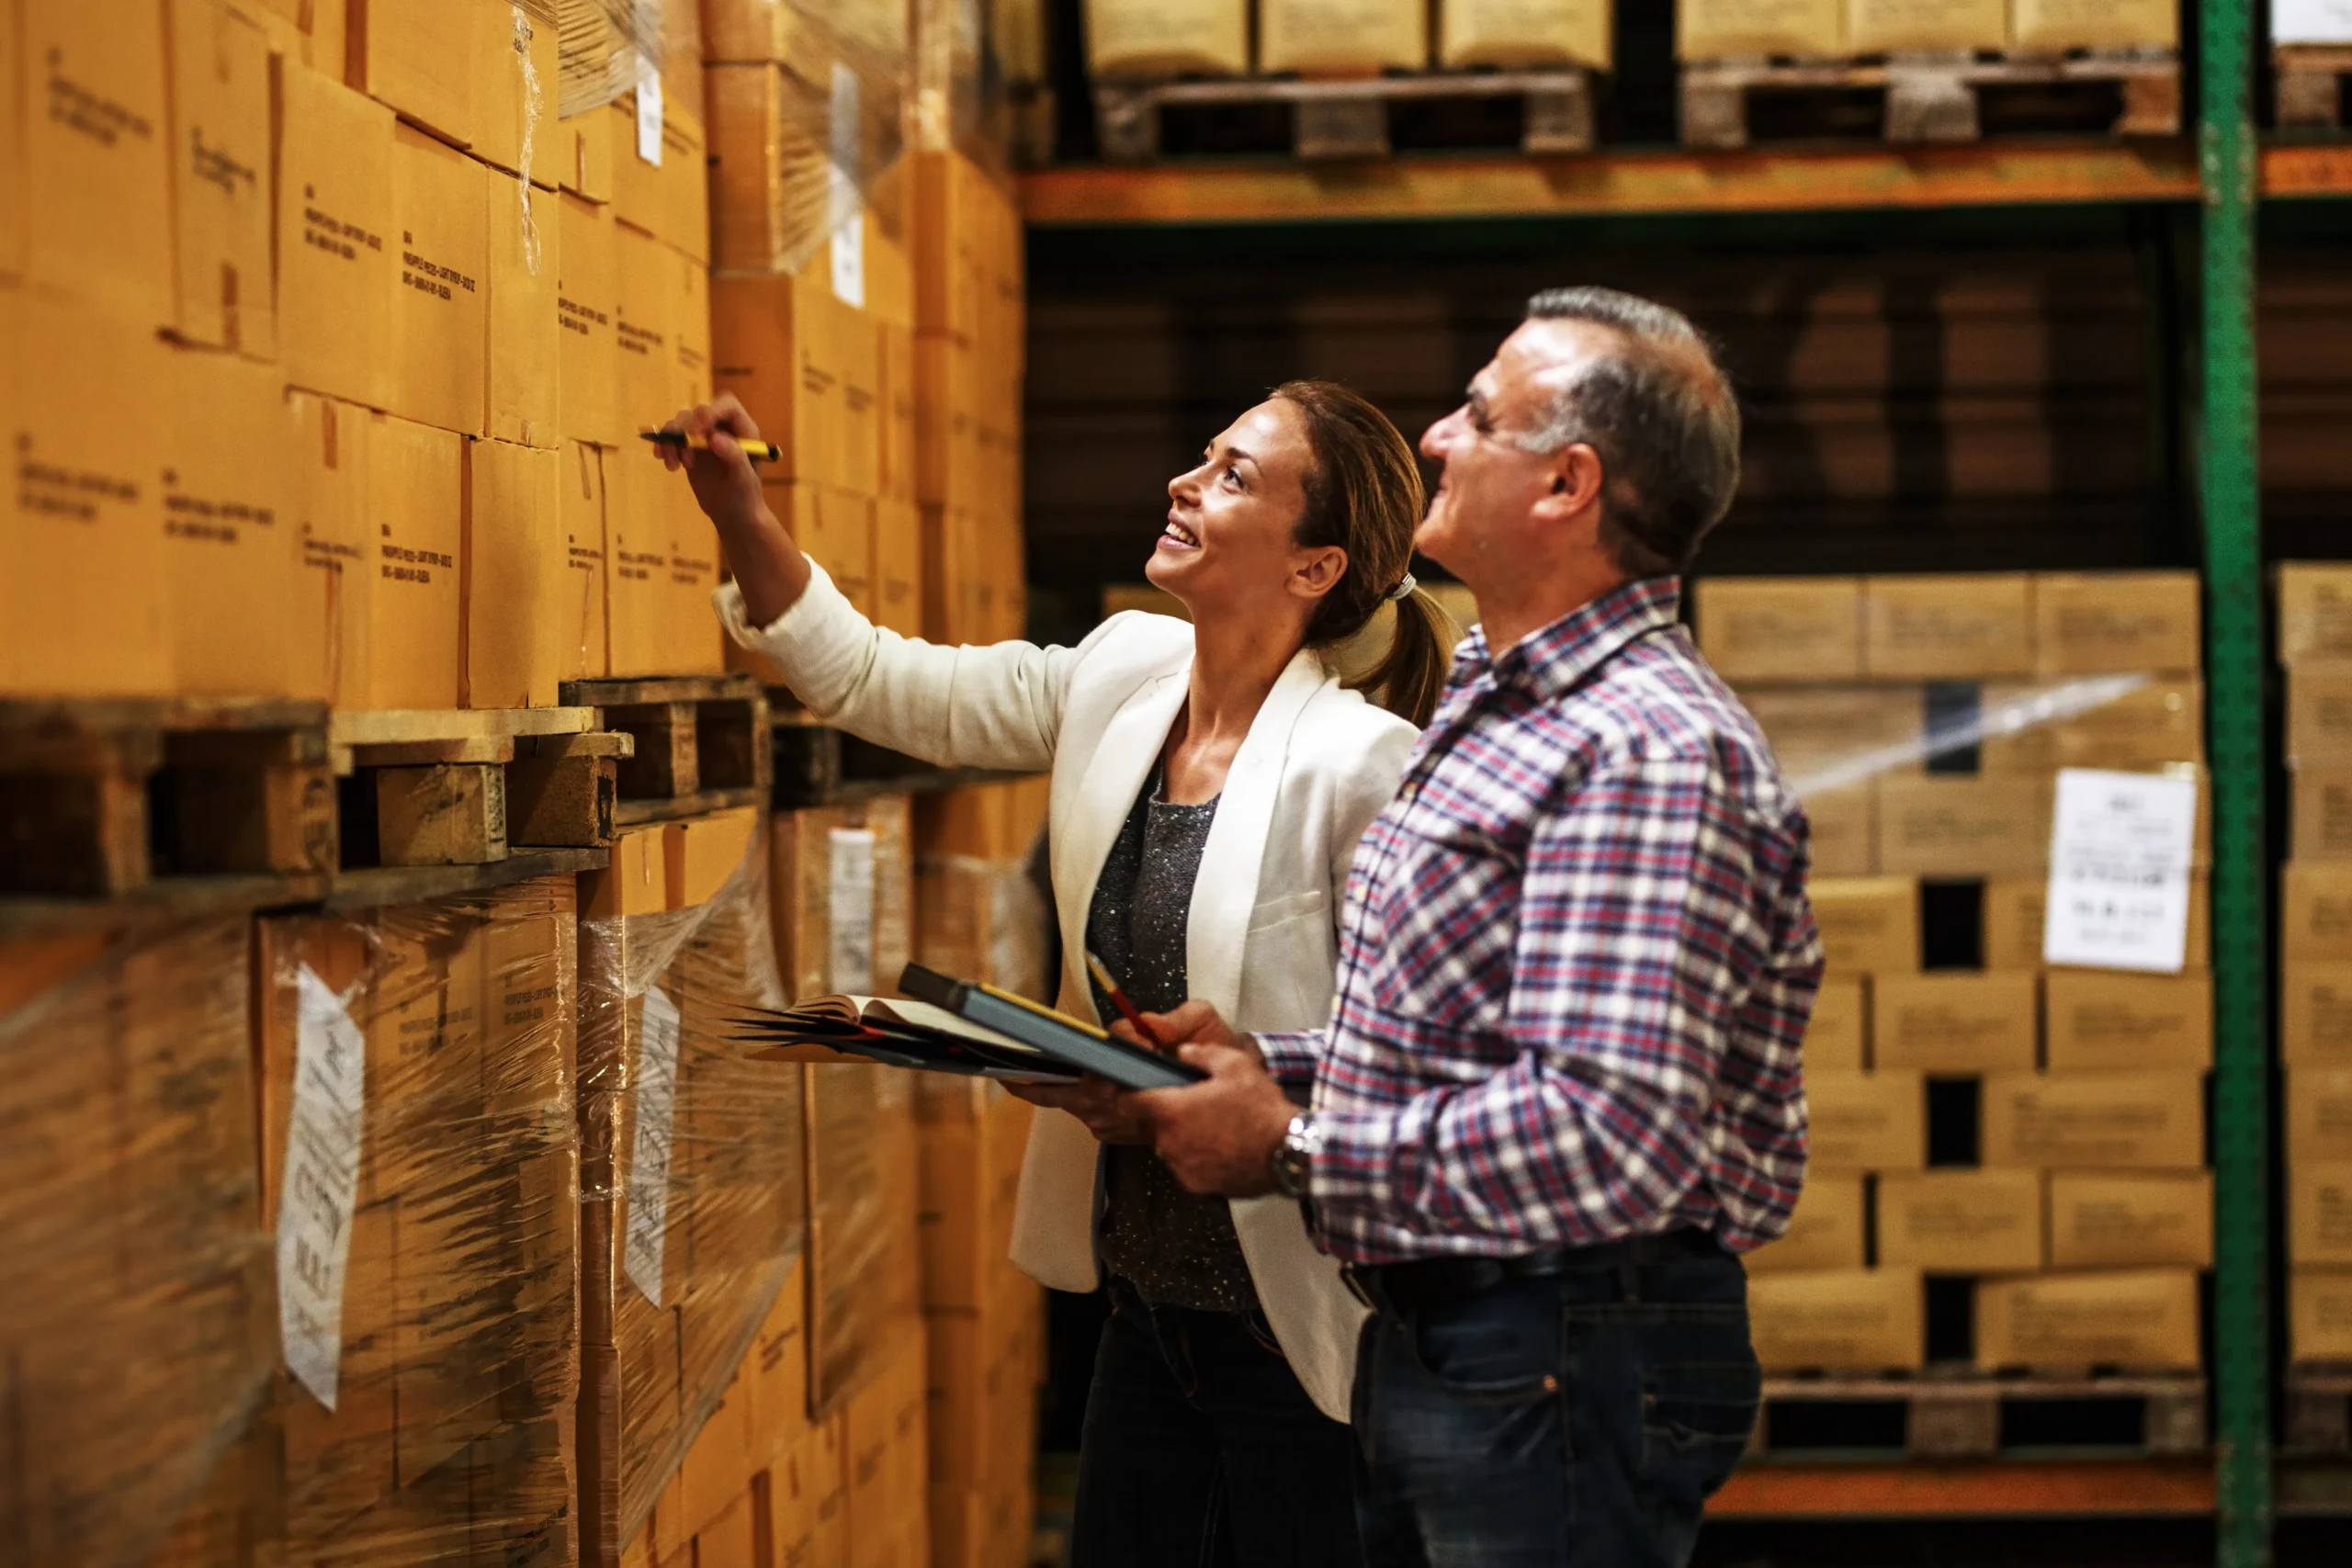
(726, 485)
(1096, 1102)
(1219, 1136)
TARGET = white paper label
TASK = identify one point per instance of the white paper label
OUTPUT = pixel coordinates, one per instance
(648, 1181)
(2121, 849)
(649, 116)
(2310, 21)
(322, 1184)
(845, 202)
(849, 960)
(849, 262)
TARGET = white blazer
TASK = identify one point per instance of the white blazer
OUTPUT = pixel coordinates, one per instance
(1318, 763)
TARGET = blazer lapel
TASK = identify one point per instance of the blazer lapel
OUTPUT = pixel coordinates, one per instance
(1217, 928)
(1121, 761)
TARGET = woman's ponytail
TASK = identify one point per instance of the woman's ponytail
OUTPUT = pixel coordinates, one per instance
(1410, 676)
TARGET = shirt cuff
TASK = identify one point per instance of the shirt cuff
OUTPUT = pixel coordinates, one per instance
(1290, 1058)
(1356, 1155)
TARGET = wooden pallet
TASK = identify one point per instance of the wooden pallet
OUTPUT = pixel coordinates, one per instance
(1352, 118)
(2312, 92)
(1961, 1414)
(1931, 97)
(817, 766)
(702, 742)
(2319, 1408)
(104, 799)
(467, 786)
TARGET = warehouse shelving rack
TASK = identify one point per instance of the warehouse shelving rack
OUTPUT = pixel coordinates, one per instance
(2228, 174)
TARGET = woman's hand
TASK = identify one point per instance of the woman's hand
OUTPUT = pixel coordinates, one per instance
(1096, 1102)
(768, 566)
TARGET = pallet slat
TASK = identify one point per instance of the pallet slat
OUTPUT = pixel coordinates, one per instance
(1351, 119)
(1969, 1416)
(1928, 98)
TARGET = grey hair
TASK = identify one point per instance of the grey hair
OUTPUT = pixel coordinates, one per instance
(1661, 415)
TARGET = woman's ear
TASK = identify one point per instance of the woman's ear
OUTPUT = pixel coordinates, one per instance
(1316, 572)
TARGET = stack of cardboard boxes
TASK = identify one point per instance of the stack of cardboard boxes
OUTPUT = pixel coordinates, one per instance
(1137, 39)
(1723, 29)
(2316, 971)
(1976, 1114)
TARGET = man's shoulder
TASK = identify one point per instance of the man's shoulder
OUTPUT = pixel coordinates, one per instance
(1662, 700)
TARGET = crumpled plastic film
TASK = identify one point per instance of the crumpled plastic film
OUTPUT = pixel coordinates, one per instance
(421, 1172)
(693, 1189)
(135, 1339)
(602, 45)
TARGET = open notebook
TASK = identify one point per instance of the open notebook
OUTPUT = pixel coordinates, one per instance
(945, 1025)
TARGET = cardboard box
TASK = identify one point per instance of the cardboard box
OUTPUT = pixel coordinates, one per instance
(835, 529)
(84, 595)
(417, 486)
(331, 615)
(2138, 1318)
(661, 567)
(524, 355)
(2057, 26)
(1869, 730)
(1335, 37)
(1959, 827)
(2141, 1120)
(771, 168)
(2319, 1315)
(2102, 1020)
(645, 330)
(96, 177)
(1881, 27)
(419, 57)
(2315, 916)
(1955, 1023)
(1867, 1121)
(809, 369)
(517, 73)
(580, 513)
(2314, 610)
(231, 558)
(1860, 1320)
(12, 155)
(1961, 1222)
(1781, 629)
(1954, 626)
(670, 199)
(776, 1374)
(338, 245)
(808, 1493)
(879, 1482)
(2151, 726)
(896, 447)
(897, 565)
(219, 153)
(440, 335)
(2323, 813)
(1723, 30)
(1870, 925)
(2096, 622)
(2015, 907)
(2140, 1220)
(515, 576)
(971, 1180)
(731, 1540)
(317, 35)
(2319, 713)
(982, 1388)
(2318, 1115)
(1837, 1040)
(587, 303)
(1842, 825)
(1829, 1229)
(1506, 33)
(1152, 40)
(584, 157)
(2319, 1211)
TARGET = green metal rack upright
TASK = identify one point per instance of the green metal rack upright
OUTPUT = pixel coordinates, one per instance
(2235, 659)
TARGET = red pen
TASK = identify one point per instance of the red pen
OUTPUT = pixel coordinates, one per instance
(1125, 1003)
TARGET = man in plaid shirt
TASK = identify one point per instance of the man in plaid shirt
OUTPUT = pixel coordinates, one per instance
(1560, 1092)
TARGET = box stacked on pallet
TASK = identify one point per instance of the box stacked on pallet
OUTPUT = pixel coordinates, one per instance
(692, 1209)
(2316, 971)
(419, 1159)
(2049, 1121)
(138, 1326)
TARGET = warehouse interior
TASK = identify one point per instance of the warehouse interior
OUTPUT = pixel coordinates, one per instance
(394, 844)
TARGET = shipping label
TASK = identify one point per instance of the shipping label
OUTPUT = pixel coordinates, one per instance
(320, 1188)
(647, 1179)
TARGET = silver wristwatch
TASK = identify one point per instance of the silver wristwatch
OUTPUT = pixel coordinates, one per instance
(1294, 1157)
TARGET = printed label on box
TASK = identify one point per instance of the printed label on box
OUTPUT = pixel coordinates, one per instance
(2121, 849)
(649, 1156)
(322, 1184)
(849, 958)
(846, 211)
(2310, 21)
(648, 115)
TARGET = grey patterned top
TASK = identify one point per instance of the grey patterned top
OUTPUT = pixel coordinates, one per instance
(1177, 1248)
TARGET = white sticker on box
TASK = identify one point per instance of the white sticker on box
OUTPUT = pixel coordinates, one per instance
(849, 956)
(648, 1181)
(2121, 849)
(2310, 21)
(845, 201)
(321, 1189)
(648, 115)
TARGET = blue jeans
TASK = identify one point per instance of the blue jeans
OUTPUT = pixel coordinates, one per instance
(1579, 1421)
(1202, 1450)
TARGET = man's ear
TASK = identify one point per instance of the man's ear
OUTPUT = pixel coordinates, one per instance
(1575, 484)
(1319, 573)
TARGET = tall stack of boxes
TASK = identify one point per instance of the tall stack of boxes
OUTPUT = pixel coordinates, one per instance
(2316, 971)
(1976, 1115)
(1723, 30)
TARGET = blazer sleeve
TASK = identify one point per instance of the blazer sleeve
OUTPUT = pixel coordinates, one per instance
(993, 706)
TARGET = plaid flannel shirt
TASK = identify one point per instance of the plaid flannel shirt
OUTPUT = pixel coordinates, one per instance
(1577, 961)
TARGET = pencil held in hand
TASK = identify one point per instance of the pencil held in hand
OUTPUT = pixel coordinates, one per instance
(757, 451)
(1125, 1003)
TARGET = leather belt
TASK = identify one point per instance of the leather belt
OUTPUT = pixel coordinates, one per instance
(1437, 1281)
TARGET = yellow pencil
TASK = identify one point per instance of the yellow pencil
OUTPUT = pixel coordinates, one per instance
(757, 451)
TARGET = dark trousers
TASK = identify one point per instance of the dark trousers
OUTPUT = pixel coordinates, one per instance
(1200, 1450)
(1579, 1421)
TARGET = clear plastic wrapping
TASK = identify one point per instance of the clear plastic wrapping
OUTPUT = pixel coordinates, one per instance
(603, 46)
(419, 1171)
(136, 1317)
(692, 1192)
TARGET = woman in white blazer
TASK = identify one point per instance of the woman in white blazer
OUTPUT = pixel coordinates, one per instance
(1210, 783)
